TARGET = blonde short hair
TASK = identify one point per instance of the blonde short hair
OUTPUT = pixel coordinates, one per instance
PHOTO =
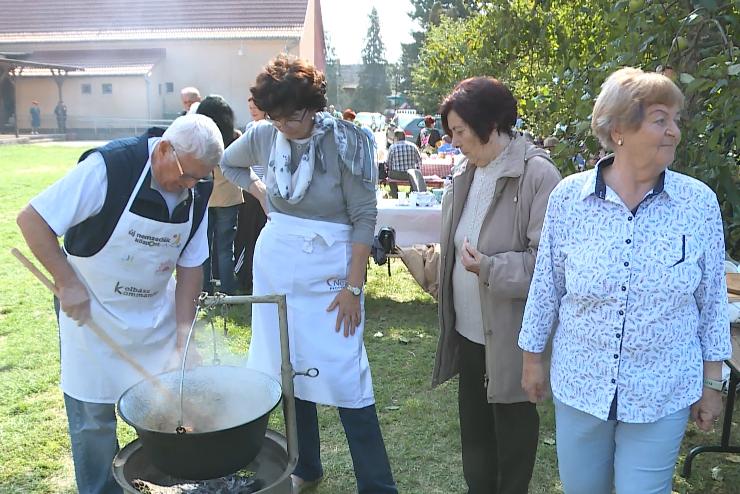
(624, 97)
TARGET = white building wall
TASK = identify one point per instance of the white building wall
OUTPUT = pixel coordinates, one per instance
(225, 67)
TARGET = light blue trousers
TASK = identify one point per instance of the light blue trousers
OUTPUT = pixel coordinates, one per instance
(92, 431)
(594, 455)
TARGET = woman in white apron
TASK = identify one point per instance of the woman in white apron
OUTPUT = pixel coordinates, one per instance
(320, 187)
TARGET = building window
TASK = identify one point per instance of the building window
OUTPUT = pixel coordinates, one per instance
(170, 87)
(107, 88)
(86, 88)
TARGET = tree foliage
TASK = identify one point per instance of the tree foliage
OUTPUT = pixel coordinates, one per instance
(427, 13)
(373, 86)
(555, 54)
(333, 72)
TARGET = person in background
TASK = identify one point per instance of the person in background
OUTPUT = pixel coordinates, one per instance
(320, 178)
(132, 213)
(349, 115)
(333, 112)
(446, 147)
(252, 218)
(190, 97)
(550, 143)
(491, 223)
(402, 156)
(630, 276)
(428, 136)
(61, 113)
(35, 112)
(223, 206)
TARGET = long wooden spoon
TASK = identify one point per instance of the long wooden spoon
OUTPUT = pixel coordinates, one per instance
(99, 332)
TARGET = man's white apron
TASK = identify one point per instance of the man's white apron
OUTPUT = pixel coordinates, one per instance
(132, 298)
(308, 260)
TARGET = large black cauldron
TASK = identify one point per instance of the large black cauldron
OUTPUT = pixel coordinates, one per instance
(225, 415)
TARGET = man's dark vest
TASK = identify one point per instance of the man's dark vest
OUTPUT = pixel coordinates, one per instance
(125, 160)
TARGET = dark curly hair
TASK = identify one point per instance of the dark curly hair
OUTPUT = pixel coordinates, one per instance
(484, 103)
(287, 85)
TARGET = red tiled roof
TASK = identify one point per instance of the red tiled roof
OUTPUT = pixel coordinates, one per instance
(40, 20)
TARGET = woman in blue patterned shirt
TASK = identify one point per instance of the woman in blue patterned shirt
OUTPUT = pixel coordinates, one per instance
(629, 275)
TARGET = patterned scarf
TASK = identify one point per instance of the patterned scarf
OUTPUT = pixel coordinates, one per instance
(354, 147)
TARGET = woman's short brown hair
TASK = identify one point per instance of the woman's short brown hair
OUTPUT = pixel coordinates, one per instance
(287, 85)
(349, 114)
(624, 97)
(484, 103)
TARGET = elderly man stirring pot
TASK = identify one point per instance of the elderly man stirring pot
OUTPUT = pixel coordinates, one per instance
(130, 212)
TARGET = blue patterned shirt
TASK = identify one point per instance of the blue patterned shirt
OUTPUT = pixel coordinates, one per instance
(637, 300)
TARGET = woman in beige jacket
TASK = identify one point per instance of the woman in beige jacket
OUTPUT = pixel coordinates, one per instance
(491, 221)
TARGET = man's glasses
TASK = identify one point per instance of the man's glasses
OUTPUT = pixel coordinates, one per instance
(292, 122)
(186, 176)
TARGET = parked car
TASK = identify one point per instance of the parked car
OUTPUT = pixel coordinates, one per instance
(373, 121)
(411, 125)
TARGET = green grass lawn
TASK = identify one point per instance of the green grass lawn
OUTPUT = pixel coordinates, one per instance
(419, 424)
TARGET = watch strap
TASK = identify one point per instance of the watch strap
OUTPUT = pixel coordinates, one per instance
(714, 384)
(354, 290)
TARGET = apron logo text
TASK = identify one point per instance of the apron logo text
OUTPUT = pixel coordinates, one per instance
(335, 284)
(132, 291)
(154, 241)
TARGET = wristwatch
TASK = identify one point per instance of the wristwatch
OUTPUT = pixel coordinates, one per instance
(715, 384)
(356, 291)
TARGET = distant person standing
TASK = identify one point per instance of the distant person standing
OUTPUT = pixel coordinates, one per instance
(429, 136)
(223, 205)
(35, 117)
(61, 112)
(190, 97)
(252, 218)
(334, 113)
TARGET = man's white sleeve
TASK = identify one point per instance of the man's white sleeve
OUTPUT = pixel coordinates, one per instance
(196, 252)
(75, 197)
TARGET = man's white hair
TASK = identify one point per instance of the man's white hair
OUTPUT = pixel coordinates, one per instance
(190, 91)
(198, 136)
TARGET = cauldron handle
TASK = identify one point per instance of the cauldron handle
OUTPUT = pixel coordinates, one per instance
(312, 372)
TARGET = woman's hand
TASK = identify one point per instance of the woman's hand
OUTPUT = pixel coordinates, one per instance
(470, 257)
(349, 311)
(707, 410)
(533, 377)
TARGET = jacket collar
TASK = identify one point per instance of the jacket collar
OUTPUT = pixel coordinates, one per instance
(514, 157)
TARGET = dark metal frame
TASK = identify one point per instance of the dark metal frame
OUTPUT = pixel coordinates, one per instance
(724, 446)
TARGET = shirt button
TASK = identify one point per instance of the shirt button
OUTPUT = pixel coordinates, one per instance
(616, 356)
(619, 335)
(621, 312)
(624, 288)
(629, 218)
(626, 264)
(628, 241)
(614, 381)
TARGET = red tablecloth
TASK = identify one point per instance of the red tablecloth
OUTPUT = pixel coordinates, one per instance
(440, 167)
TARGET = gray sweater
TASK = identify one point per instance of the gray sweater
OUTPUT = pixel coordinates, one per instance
(335, 194)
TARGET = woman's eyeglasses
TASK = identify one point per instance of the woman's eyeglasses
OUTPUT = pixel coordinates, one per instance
(293, 121)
